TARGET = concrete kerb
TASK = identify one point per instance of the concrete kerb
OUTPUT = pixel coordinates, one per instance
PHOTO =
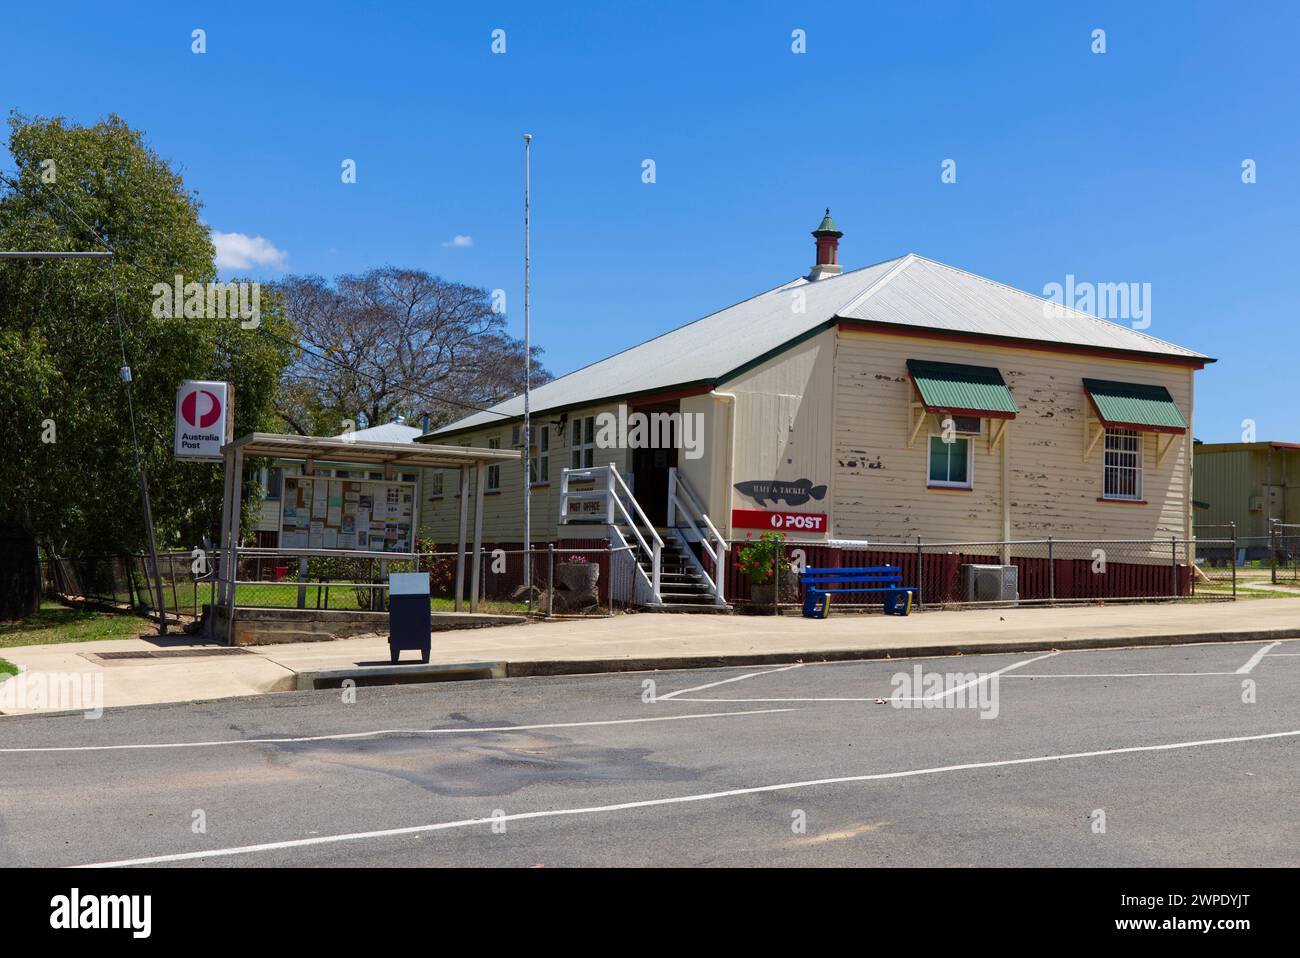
(400, 674)
(672, 663)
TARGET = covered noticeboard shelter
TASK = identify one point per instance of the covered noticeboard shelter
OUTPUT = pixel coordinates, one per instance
(391, 456)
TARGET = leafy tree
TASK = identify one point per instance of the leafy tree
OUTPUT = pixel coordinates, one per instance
(395, 341)
(68, 473)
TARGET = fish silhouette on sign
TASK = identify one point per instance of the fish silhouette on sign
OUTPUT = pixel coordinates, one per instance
(764, 491)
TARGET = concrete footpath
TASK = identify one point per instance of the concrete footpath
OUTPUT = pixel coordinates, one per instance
(648, 641)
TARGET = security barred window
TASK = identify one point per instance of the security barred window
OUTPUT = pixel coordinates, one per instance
(493, 472)
(950, 465)
(1123, 469)
(582, 443)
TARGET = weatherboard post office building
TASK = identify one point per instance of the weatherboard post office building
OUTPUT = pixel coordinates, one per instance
(900, 400)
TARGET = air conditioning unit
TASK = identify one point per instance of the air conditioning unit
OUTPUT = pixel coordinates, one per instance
(990, 583)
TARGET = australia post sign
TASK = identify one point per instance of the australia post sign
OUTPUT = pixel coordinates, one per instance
(779, 521)
(203, 413)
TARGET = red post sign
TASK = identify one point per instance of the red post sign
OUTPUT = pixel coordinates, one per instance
(779, 521)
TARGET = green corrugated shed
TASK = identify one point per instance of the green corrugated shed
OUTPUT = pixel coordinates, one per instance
(1233, 477)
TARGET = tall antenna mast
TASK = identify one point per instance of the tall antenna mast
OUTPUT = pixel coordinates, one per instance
(528, 366)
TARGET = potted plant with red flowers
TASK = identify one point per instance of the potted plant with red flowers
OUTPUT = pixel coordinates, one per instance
(763, 562)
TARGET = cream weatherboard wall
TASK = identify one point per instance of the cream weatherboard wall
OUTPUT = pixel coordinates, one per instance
(1051, 489)
(784, 416)
(503, 509)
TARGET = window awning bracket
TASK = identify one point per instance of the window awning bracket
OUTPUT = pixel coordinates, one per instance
(997, 433)
(1164, 444)
(916, 421)
(1093, 431)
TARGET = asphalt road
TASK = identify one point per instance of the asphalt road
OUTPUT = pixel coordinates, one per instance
(721, 769)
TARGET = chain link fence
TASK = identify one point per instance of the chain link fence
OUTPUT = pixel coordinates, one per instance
(128, 583)
(551, 580)
(1256, 563)
(1003, 573)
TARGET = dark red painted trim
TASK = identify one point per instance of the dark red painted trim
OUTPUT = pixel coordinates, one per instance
(668, 396)
(1126, 502)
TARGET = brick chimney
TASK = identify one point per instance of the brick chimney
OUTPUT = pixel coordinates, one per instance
(828, 249)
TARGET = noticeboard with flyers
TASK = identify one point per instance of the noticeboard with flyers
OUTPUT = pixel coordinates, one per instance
(364, 515)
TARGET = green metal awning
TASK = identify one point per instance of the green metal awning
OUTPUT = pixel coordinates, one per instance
(1135, 406)
(963, 390)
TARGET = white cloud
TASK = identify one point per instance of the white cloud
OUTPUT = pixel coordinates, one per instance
(241, 251)
(460, 239)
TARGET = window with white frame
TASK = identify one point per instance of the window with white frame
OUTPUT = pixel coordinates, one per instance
(1122, 476)
(539, 455)
(582, 443)
(950, 463)
(493, 472)
(436, 483)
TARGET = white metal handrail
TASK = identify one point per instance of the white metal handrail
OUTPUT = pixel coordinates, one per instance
(683, 502)
(614, 508)
(656, 553)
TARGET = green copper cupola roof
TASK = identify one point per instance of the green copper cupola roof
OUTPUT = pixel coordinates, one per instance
(828, 226)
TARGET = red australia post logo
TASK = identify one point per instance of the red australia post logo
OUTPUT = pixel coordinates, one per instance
(763, 519)
(200, 408)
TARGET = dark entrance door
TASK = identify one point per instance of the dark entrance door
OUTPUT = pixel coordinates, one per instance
(650, 465)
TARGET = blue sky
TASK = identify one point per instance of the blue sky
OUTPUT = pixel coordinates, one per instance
(1115, 167)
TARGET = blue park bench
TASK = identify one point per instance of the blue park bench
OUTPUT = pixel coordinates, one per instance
(886, 579)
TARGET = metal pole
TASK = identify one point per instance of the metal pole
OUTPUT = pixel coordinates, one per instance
(1272, 550)
(528, 363)
(1051, 571)
(550, 579)
(480, 481)
(460, 549)
(920, 578)
(776, 579)
(1232, 560)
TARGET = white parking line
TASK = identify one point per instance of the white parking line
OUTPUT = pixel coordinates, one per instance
(1108, 675)
(677, 800)
(1255, 659)
(734, 678)
(871, 698)
(391, 731)
(985, 677)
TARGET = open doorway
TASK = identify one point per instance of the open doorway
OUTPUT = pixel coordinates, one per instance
(652, 458)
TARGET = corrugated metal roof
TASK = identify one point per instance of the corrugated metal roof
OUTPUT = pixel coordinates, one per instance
(934, 296)
(388, 432)
(907, 291)
(955, 387)
(1134, 404)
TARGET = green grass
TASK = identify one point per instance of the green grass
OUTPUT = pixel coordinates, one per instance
(1226, 590)
(55, 622)
(7, 668)
(339, 597)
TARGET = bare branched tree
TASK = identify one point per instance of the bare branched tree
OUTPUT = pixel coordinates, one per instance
(395, 341)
